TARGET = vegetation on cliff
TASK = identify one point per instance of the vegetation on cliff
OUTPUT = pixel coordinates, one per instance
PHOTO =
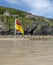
(42, 25)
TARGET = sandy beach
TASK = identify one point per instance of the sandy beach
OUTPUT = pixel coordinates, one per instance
(26, 52)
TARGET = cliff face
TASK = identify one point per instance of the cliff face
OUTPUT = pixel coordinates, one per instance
(34, 25)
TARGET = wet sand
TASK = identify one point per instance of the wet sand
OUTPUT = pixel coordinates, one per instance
(26, 52)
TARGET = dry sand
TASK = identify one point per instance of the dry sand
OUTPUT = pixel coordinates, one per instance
(26, 52)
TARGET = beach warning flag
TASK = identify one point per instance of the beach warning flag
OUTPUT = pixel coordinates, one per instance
(18, 26)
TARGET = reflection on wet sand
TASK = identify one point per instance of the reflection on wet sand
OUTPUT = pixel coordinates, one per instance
(26, 52)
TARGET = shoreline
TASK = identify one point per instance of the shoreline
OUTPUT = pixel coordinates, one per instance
(26, 37)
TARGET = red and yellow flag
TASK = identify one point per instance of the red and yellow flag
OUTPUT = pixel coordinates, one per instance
(18, 26)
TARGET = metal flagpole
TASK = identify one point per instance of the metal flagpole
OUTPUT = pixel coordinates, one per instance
(15, 34)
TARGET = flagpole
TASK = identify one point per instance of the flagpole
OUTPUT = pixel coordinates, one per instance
(15, 33)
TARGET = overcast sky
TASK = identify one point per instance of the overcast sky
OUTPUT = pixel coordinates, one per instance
(36, 7)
